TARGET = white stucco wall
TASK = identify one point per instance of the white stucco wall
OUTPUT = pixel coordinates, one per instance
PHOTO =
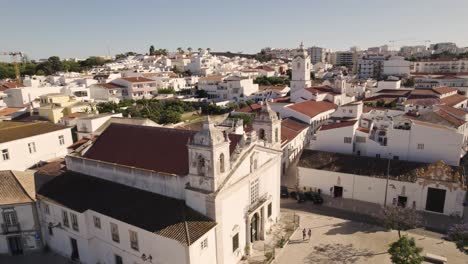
(47, 147)
(372, 189)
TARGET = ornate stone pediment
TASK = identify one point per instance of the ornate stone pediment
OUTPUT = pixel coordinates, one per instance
(440, 173)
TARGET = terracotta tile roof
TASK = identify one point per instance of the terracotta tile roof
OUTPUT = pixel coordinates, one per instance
(13, 130)
(290, 129)
(425, 92)
(428, 101)
(312, 108)
(265, 68)
(445, 90)
(11, 190)
(282, 100)
(453, 99)
(394, 92)
(363, 129)
(153, 148)
(250, 108)
(164, 216)
(321, 90)
(137, 79)
(9, 85)
(386, 98)
(454, 111)
(8, 111)
(338, 125)
(109, 86)
(78, 144)
(449, 118)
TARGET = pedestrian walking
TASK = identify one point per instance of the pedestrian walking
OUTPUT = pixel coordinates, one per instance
(304, 233)
(309, 233)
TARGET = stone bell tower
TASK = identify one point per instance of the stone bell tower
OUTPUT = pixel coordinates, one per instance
(209, 157)
(268, 127)
(301, 67)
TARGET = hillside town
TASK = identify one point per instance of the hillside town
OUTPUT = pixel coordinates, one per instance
(289, 155)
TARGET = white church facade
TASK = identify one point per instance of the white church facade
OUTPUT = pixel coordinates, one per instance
(169, 195)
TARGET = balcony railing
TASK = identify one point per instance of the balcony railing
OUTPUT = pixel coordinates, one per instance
(8, 229)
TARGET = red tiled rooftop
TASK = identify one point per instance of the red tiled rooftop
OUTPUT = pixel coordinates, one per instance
(137, 79)
(153, 148)
(363, 129)
(457, 122)
(445, 90)
(290, 129)
(321, 90)
(312, 108)
(453, 99)
(452, 110)
(9, 85)
(250, 108)
(110, 85)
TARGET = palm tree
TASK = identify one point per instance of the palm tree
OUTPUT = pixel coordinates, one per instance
(208, 49)
(189, 49)
(199, 50)
(180, 50)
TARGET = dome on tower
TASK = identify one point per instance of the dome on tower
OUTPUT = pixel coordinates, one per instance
(209, 135)
(301, 52)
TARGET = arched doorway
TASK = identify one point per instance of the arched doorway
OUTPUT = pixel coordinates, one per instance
(254, 228)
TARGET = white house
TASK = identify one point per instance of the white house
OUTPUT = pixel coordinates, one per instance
(310, 112)
(294, 136)
(20, 232)
(202, 197)
(87, 126)
(136, 87)
(385, 134)
(435, 188)
(24, 144)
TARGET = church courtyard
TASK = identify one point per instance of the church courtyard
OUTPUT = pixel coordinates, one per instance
(336, 240)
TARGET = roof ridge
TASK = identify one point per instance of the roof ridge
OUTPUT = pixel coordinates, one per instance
(21, 186)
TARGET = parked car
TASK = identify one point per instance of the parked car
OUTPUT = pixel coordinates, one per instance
(284, 192)
(314, 197)
(301, 197)
(293, 195)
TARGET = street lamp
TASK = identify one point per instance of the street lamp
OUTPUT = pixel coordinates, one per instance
(388, 176)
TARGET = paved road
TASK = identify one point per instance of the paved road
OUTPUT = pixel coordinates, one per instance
(35, 258)
(338, 240)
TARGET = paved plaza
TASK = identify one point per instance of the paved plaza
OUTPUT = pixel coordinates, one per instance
(336, 240)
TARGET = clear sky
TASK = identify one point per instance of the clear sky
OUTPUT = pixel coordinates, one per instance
(81, 28)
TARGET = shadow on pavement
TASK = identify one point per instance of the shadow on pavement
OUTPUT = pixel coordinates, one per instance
(338, 253)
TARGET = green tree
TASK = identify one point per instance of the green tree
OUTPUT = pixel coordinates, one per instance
(166, 91)
(405, 251)
(409, 82)
(180, 50)
(151, 50)
(55, 64)
(459, 234)
(399, 218)
(201, 93)
(247, 118)
(190, 50)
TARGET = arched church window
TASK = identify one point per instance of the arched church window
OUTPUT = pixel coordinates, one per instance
(276, 135)
(221, 163)
(261, 134)
(201, 165)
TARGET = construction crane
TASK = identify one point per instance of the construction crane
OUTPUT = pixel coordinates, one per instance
(14, 55)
